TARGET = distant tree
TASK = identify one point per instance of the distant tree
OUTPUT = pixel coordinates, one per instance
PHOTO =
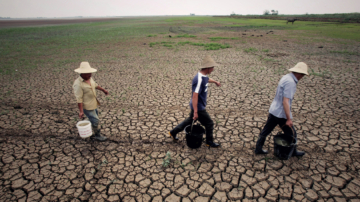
(274, 12)
(266, 12)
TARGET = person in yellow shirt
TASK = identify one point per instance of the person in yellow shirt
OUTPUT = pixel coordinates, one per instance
(84, 90)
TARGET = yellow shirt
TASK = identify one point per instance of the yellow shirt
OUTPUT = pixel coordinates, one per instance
(85, 94)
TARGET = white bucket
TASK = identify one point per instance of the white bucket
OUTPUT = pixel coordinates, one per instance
(84, 131)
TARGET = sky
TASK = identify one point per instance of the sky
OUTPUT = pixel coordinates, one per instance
(98, 8)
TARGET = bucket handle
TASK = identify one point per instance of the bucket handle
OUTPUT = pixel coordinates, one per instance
(192, 126)
(293, 132)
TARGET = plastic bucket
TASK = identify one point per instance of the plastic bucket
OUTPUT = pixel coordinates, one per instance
(284, 146)
(194, 137)
(84, 128)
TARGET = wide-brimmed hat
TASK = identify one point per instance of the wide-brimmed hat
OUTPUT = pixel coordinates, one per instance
(208, 62)
(301, 68)
(85, 68)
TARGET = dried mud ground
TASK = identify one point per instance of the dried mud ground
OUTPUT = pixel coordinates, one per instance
(44, 159)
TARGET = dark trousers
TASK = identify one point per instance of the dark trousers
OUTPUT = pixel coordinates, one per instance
(204, 119)
(271, 123)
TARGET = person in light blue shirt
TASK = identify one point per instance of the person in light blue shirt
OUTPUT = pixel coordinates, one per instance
(280, 108)
(198, 103)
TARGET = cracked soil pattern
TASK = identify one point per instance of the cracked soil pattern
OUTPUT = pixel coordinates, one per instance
(44, 159)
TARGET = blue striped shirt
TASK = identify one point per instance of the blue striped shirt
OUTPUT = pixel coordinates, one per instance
(286, 88)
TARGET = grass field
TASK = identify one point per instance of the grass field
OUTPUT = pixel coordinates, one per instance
(28, 48)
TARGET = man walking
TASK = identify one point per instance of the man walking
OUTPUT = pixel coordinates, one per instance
(198, 102)
(280, 109)
(84, 89)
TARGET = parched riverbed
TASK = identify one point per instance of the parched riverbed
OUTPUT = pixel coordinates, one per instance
(44, 159)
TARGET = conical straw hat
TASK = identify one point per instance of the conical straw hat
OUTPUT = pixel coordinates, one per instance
(301, 68)
(85, 68)
(208, 62)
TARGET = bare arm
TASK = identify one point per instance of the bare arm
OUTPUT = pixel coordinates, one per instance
(195, 98)
(213, 81)
(103, 90)
(81, 109)
(286, 105)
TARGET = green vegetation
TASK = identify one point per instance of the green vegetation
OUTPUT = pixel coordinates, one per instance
(166, 160)
(208, 46)
(345, 52)
(26, 48)
(249, 50)
(104, 162)
(153, 44)
(269, 60)
(55, 47)
(219, 38)
(164, 43)
(326, 29)
(168, 45)
(344, 17)
(185, 36)
(349, 61)
(324, 74)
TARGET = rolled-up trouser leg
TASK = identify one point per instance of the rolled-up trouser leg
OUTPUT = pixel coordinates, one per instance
(205, 120)
(271, 123)
(183, 124)
(94, 118)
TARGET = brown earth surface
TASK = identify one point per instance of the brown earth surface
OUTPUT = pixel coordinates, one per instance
(44, 159)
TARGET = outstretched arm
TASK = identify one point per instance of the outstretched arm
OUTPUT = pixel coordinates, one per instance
(213, 81)
(103, 90)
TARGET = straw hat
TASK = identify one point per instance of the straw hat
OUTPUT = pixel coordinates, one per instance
(85, 68)
(208, 62)
(301, 68)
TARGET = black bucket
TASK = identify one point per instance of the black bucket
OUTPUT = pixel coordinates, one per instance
(285, 151)
(194, 137)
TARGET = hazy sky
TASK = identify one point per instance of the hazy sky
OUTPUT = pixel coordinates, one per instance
(70, 8)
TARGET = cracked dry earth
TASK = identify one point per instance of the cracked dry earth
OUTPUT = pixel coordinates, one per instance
(44, 159)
